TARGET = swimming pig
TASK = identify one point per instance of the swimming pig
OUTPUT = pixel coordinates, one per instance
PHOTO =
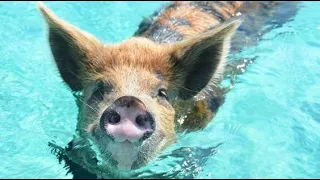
(136, 95)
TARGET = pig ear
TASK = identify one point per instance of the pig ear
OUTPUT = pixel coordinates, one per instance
(199, 61)
(70, 46)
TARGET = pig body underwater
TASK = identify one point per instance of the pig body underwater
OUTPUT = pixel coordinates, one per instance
(135, 96)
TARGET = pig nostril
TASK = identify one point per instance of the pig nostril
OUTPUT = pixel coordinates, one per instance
(114, 117)
(141, 120)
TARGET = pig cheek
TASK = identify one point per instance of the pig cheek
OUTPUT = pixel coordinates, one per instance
(167, 124)
(164, 116)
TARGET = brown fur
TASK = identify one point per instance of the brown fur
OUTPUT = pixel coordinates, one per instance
(191, 14)
(185, 10)
(139, 67)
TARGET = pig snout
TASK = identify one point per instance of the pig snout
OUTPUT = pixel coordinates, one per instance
(127, 119)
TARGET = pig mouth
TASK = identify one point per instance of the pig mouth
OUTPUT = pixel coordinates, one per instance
(123, 155)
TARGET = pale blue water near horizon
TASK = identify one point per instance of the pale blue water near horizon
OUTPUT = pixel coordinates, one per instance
(269, 126)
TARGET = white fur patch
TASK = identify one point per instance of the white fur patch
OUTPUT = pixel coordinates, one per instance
(124, 153)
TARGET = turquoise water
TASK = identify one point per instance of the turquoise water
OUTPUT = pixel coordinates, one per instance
(269, 126)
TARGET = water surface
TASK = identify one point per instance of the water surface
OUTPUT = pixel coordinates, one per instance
(269, 126)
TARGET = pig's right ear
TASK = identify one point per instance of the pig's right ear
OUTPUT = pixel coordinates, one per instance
(71, 48)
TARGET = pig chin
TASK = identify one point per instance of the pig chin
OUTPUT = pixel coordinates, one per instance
(122, 155)
(125, 155)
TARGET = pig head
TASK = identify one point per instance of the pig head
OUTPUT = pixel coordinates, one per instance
(132, 90)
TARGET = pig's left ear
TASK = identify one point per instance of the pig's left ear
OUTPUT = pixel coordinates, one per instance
(198, 61)
(72, 48)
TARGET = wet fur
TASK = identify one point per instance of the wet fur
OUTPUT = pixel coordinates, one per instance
(192, 26)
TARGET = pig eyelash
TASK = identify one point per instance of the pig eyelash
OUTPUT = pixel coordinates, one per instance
(95, 110)
(102, 89)
(163, 93)
(98, 94)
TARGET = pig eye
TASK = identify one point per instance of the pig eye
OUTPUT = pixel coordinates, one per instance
(163, 93)
(99, 91)
(102, 88)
